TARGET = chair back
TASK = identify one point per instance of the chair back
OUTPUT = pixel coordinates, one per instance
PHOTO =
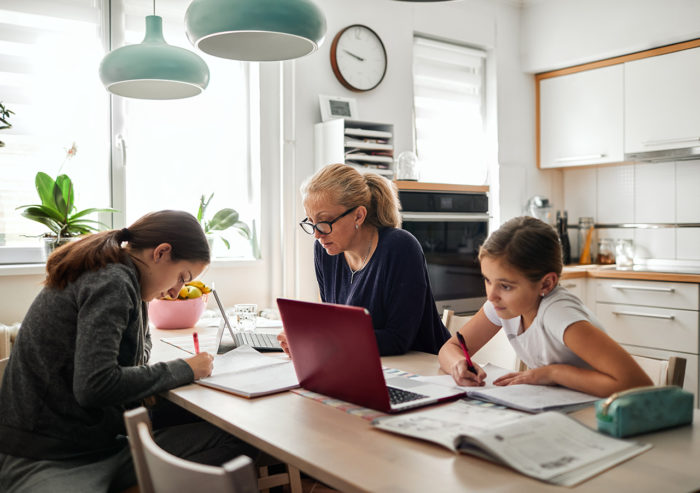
(496, 351)
(669, 371)
(159, 471)
(3, 364)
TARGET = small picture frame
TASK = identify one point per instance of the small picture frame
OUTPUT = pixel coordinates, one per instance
(337, 107)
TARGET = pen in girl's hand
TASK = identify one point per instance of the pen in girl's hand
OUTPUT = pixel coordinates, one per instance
(470, 365)
(195, 338)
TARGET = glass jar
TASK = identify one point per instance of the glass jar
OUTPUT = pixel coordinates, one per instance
(606, 251)
(407, 166)
(624, 253)
(586, 241)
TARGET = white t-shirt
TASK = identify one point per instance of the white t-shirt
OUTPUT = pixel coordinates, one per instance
(542, 343)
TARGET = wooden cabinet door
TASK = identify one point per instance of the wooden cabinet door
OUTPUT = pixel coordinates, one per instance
(581, 118)
(662, 102)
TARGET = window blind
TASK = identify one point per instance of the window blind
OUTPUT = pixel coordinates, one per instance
(448, 92)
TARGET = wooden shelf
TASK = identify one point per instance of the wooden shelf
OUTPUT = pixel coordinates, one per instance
(439, 187)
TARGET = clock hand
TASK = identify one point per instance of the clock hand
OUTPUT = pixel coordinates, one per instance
(354, 56)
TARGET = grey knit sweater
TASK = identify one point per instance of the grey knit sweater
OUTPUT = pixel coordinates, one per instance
(79, 361)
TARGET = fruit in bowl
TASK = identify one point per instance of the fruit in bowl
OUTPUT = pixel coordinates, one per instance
(182, 312)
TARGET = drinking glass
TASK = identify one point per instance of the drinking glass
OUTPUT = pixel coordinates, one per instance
(624, 253)
(246, 316)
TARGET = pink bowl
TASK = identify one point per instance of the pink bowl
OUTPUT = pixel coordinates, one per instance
(176, 314)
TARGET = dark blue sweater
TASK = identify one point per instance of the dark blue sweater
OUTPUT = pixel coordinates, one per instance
(394, 287)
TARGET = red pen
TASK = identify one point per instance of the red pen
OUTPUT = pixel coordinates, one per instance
(470, 365)
(195, 338)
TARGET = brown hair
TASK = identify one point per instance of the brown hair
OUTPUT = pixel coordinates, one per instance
(178, 228)
(350, 188)
(527, 244)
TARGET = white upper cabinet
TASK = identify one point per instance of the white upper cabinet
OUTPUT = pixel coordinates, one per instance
(581, 118)
(662, 106)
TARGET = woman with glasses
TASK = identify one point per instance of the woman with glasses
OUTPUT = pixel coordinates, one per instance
(363, 258)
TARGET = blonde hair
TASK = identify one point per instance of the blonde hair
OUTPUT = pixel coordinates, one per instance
(350, 188)
(527, 244)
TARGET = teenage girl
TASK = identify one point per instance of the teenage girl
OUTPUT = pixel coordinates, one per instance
(551, 331)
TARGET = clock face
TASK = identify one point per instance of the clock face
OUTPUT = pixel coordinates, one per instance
(358, 58)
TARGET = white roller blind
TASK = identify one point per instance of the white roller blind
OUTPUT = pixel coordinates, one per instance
(49, 51)
(448, 88)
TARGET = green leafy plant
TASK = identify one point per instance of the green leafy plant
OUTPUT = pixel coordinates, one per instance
(57, 210)
(221, 221)
(5, 120)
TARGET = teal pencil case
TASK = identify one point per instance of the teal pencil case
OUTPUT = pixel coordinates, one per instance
(644, 409)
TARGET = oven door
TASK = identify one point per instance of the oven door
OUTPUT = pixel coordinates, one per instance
(451, 244)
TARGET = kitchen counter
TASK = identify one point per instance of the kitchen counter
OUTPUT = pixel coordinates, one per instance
(610, 272)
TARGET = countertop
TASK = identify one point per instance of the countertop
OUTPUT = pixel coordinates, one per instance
(610, 272)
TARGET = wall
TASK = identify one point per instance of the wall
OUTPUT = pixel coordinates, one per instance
(491, 25)
(561, 33)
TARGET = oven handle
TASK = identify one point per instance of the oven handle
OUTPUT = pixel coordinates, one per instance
(445, 216)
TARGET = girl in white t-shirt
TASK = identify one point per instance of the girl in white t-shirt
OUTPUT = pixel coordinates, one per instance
(552, 332)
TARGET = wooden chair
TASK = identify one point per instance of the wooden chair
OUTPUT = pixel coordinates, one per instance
(669, 371)
(497, 351)
(158, 471)
(3, 364)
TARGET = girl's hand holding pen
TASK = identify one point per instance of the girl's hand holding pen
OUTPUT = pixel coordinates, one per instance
(466, 378)
(202, 364)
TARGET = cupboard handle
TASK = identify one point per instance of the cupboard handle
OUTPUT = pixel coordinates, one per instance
(661, 142)
(578, 158)
(567, 286)
(644, 288)
(647, 315)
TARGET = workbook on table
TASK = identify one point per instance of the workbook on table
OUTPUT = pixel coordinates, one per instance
(549, 446)
(530, 398)
(244, 371)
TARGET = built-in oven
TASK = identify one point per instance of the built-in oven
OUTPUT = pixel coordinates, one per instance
(450, 226)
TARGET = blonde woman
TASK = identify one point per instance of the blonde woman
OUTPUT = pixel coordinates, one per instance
(363, 258)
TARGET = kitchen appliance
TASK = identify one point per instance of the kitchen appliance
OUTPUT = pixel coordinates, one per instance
(450, 226)
(541, 208)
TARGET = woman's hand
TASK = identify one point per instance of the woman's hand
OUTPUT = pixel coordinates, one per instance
(535, 376)
(466, 378)
(202, 364)
(282, 338)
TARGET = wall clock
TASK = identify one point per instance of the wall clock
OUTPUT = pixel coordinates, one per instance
(358, 58)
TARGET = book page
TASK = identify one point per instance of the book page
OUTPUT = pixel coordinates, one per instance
(442, 425)
(553, 447)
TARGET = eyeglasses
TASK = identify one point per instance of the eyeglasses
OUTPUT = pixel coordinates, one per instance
(323, 227)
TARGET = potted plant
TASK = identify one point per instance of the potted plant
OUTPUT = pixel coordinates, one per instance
(57, 211)
(5, 120)
(221, 221)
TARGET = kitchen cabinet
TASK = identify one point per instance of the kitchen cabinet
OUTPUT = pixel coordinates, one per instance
(576, 287)
(581, 118)
(662, 103)
(653, 318)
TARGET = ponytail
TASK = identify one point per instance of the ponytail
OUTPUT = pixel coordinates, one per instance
(93, 252)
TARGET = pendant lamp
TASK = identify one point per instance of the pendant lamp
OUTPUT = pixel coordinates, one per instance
(154, 69)
(255, 30)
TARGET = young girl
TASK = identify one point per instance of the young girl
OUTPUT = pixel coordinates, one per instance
(552, 332)
(81, 355)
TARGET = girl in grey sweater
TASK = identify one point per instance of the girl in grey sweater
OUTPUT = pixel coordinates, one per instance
(81, 355)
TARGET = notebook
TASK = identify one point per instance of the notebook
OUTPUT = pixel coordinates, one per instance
(334, 351)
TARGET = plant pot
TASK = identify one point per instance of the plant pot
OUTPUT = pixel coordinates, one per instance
(50, 243)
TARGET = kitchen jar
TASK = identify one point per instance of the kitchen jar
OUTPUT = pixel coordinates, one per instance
(606, 251)
(624, 253)
(586, 241)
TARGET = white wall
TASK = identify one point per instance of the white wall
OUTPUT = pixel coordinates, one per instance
(562, 33)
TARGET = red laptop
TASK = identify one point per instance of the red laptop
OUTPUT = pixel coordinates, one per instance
(335, 353)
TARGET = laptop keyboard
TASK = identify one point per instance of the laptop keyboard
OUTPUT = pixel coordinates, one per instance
(256, 340)
(399, 396)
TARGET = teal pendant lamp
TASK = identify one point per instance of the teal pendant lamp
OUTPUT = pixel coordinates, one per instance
(255, 30)
(154, 69)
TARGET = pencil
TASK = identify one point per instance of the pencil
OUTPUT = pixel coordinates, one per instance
(470, 365)
(195, 338)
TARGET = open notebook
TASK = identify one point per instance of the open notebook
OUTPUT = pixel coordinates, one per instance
(530, 398)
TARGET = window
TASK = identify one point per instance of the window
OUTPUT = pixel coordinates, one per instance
(448, 87)
(166, 153)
